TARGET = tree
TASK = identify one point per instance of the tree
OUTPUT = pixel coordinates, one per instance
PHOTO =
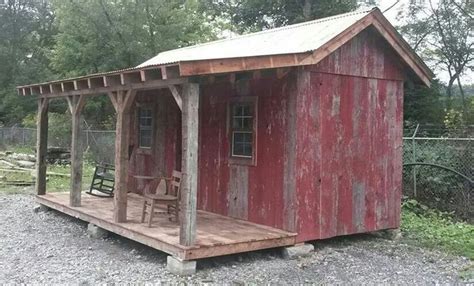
(105, 35)
(26, 37)
(424, 105)
(257, 15)
(443, 35)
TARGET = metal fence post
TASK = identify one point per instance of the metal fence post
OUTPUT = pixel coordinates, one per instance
(23, 137)
(414, 158)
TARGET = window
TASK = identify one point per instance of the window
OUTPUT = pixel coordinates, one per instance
(242, 128)
(145, 127)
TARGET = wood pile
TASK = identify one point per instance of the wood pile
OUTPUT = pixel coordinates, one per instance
(59, 155)
(17, 169)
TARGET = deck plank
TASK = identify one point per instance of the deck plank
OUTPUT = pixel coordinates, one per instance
(215, 235)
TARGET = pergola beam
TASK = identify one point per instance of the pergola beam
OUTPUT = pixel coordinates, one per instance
(153, 84)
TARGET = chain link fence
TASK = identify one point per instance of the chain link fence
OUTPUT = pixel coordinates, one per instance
(99, 145)
(443, 179)
(435, 186)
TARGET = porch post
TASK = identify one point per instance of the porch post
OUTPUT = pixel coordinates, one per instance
(122, 101)
(189, 166)
(76, 104)
(41, 145)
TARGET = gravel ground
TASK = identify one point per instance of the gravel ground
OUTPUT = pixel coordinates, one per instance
(49, 247)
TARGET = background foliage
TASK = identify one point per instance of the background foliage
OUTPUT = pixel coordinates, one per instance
(42, 40)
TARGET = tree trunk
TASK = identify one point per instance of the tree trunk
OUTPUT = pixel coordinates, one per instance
(465, 109)
(307, 10)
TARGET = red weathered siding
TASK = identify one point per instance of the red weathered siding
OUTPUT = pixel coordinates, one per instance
(254, 193)
(328, 145)
(349, 142)
(165, 154)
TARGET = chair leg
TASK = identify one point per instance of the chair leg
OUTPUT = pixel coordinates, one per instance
(152, 211)
(143, 211)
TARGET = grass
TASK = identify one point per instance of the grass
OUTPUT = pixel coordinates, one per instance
(434, 229)
(62, 184)
(54, 183)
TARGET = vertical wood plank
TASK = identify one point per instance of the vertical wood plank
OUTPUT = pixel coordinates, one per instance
(41, 146)
(190, 130)
(124, 103)
(289, 163)
(238, 192)
(76, 104)
(310, 94)
(76, 160)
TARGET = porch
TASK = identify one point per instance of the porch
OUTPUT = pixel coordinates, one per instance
(216, 235)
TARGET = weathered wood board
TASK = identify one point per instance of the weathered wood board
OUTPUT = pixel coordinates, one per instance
(216, 235)
(328, 158)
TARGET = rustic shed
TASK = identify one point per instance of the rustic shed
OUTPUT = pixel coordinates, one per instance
(282, 136)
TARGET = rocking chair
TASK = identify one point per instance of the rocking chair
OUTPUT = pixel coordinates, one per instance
(170, 197)
(103, 182)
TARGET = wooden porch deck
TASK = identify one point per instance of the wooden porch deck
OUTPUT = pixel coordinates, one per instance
(216, 234)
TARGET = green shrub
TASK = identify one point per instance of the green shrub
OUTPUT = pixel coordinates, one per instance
(435, 229)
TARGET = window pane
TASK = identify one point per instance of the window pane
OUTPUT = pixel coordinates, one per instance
(247, 123)
(236, 122)
(246, 110)
(145, 122)
(242, 117)
(242, 144)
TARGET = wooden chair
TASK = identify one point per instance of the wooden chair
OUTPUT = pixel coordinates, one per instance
(170, 197)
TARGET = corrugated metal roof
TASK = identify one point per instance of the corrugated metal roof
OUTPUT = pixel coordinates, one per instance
(299, 38)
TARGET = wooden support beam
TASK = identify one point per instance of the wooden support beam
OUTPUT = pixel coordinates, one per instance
(113, 99)
(122, 101)
(45, 89)
(95, 82)
(67, 86)
(76, 104)
(112, 80)
(80, 84)
(55, 88)
(129, 78)
(112, 84)
(26, 91)
(41, 145)
(189, 166)
(177, 96)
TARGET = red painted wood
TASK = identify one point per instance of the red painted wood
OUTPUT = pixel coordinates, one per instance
(348, 144)
(266, 179)
(165, 154)
(358, 150)
(213, 149)
(357, 93)
(366, 55)
(308, 163)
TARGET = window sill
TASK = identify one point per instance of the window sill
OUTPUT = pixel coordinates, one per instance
(144, 151)
(242, 161)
